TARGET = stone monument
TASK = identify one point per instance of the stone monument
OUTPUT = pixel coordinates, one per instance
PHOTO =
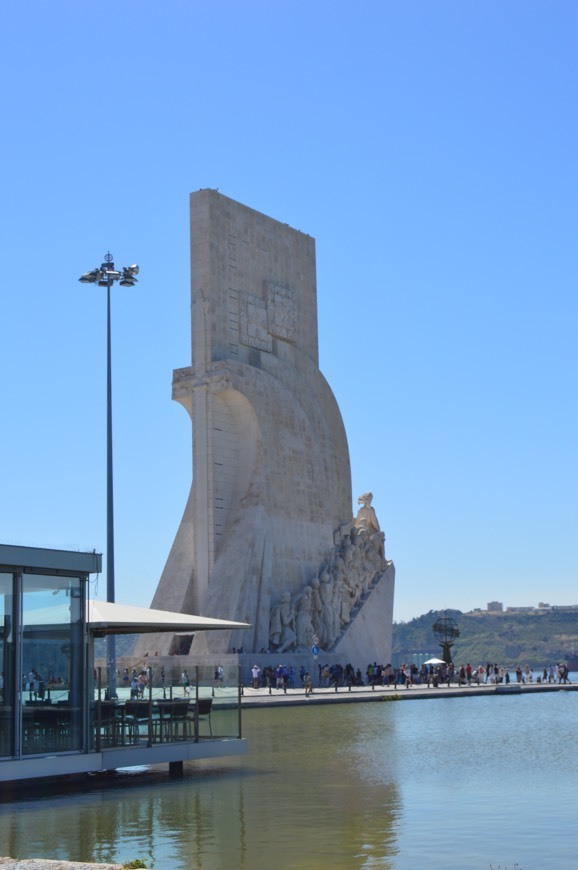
(268, 536)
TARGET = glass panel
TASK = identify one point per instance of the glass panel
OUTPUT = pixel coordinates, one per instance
(162, 702)
(52, 663)
(6, 666)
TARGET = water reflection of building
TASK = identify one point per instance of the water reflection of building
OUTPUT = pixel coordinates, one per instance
(53, 717)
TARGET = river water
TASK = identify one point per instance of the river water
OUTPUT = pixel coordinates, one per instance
(473, 782)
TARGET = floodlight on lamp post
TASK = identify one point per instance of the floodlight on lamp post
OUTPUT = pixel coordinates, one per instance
(105, 276)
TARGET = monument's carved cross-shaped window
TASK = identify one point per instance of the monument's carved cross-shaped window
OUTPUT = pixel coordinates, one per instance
(259, 320)
(281, 312)
(253, 322)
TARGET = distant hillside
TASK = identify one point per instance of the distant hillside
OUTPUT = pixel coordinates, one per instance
(536, 639)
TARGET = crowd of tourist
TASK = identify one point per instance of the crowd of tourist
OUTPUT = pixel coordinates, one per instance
(435, 675)
(282, 677)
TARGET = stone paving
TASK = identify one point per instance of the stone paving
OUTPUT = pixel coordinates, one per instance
(43, 864)
(322, 695)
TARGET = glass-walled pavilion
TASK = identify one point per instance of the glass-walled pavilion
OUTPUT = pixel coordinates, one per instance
(43, 647)
(52, 717)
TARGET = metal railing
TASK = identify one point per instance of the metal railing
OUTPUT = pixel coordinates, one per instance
(149, 708)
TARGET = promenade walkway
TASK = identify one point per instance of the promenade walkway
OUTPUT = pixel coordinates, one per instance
(358, 694)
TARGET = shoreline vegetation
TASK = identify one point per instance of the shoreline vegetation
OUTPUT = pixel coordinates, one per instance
(539, 637)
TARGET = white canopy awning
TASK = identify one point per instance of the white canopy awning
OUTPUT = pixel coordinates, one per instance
(103, 617)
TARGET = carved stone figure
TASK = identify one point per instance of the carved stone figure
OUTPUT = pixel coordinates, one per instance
(366, 521)
(328, 628)
(326, 607)
(352, 571)
(304, 624)
(316, 607)
(346, 601)
(282, 624)
(343, 590)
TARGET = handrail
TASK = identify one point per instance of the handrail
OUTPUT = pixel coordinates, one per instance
(150, 683)
(240, 692)
(155, 715)
(99, 712)
(196, 713)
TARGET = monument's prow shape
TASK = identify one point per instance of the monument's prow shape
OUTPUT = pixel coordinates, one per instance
(270, 503)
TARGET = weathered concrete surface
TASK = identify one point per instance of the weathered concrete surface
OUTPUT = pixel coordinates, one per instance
(368, 637)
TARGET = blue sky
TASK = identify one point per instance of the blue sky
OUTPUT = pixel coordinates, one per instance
(430, 149)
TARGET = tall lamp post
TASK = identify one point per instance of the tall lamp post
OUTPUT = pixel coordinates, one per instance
(105, 276)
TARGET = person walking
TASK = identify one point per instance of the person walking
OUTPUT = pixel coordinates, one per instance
(185, 683)
(142, 682)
